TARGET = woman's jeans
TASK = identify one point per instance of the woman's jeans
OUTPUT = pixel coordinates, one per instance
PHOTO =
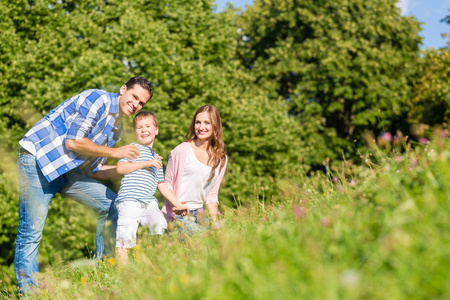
(192, 222)
(36, 193)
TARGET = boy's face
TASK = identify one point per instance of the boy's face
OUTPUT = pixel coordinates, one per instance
(146, 131)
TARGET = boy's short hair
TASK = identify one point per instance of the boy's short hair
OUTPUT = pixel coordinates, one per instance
(145, 114)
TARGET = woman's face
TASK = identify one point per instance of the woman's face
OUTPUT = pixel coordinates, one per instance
(203, 126)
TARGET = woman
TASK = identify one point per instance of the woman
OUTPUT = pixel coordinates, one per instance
(196, 168)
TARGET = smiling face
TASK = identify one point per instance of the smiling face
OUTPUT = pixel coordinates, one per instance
(146, 130)
(131, 100)
(203, 126)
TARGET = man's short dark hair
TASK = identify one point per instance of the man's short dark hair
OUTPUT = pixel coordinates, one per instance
(142, 82)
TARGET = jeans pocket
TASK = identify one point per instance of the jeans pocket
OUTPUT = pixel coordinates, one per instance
(26, 160)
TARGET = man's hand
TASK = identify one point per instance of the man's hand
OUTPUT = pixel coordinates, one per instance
(128, 151)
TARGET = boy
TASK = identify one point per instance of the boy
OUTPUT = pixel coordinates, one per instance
(136, 203)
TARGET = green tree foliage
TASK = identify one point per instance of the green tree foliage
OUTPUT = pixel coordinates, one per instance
(431, 102)
(294, 81)
(56, 49)
(349, 61)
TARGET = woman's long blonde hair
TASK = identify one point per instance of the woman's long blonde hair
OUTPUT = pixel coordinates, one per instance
(216, 149)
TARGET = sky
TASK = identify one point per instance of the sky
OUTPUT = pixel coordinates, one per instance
(429, 12)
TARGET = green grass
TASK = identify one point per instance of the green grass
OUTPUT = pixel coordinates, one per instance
(370, 231)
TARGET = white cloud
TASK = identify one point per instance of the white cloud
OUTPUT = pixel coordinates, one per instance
(404, 6)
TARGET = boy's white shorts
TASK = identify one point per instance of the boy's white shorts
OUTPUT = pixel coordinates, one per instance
(133, 213)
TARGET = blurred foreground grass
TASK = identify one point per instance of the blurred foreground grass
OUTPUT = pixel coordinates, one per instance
(378, 230)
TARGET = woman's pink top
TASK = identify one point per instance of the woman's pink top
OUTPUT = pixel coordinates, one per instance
(174, 177)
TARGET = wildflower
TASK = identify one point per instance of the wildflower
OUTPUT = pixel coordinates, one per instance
(423, 141)
(398, 158)
(184, 279)
(265, 218)
(299, 212)
(336, 179)
(443, 133)
(325, 221)
(349, 277)
(65, 284)
(84, 279)
(217, 225)
(386, 136)
(385, 139)
(353, 182)
(111, 261)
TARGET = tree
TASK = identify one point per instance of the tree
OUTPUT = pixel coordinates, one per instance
(56, 49)
(431, 102)
(352, 60)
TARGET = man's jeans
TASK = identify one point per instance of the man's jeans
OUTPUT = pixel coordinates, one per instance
(36, 193)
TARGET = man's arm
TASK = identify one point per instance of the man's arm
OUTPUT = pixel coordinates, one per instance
(86, 147)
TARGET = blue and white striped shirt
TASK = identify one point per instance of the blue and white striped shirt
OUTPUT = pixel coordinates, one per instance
(92, 114)
(141, 184)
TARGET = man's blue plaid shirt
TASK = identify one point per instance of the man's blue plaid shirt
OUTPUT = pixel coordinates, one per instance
(91, 114)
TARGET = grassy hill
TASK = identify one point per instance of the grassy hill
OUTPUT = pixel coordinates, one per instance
(374, 229)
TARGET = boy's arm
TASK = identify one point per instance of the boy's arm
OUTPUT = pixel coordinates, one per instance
(170, 196)
(128, 167)
(107, 172)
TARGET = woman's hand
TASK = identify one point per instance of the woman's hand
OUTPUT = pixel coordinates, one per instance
(181, 209)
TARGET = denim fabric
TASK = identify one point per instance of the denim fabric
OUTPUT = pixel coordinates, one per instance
(36, 193)
(193, 222)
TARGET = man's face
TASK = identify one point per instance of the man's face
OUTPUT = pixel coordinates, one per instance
(132, 100)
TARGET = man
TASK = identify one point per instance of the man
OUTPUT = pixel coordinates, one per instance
(61, 153)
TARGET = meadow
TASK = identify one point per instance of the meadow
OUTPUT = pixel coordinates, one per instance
(377, 228)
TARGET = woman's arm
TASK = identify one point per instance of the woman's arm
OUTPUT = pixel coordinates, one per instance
(213, 208)
(124, 168)
(213, 195)
(170, 196)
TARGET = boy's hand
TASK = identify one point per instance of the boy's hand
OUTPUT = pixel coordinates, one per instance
(181, 210)
(156, 162)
